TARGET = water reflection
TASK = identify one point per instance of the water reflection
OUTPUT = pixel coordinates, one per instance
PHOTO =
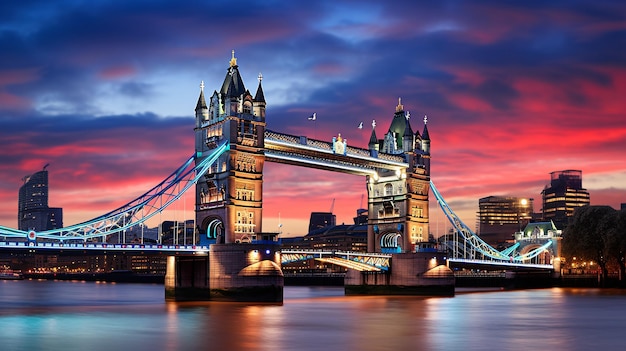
(87, 316)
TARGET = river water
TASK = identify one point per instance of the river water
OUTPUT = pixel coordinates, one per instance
(62, 315)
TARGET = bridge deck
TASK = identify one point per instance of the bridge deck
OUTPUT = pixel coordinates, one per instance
(302, 151)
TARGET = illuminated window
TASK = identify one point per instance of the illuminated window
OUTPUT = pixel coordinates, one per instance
(245, 222)
(388, 189)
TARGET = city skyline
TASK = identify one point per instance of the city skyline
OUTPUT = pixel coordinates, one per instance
(104, 92)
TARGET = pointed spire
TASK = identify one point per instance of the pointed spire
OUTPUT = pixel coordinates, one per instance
(201, 102)
(373, 138)
(408, 131)
(374, 143)
(259, 97)
(425, 135)
(233, 84)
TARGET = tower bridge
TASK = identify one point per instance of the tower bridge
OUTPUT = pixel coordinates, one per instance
(232, 145)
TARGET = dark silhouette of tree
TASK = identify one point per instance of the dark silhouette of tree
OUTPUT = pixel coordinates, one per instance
(617, 240)
(588, 237)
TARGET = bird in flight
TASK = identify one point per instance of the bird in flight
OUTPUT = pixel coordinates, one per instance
(313, 117)
(361, 125)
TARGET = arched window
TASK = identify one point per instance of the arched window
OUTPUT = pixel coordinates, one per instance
(388, 190)
(247, 107)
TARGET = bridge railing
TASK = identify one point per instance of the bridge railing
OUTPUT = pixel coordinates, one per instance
(102, 246)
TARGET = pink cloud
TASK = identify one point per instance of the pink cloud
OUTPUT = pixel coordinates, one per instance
(117, 72)
(330, 69)
(13, 102)
(18, 76)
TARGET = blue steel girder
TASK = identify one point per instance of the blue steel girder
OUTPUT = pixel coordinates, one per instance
(476, 242)
(136, 211)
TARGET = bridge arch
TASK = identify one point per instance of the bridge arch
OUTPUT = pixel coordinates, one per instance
(391, 242)
(214, 228)
(545, 257)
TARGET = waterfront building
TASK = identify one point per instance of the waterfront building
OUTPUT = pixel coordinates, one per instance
(321, 220)
(342, 237)
(33, 212)
(564, 194)
(500, 217)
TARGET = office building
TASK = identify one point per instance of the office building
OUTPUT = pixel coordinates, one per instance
(564, 194)
(33, 212)
(500, 217)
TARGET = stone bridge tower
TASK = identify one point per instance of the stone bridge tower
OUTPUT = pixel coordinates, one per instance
(398, 201)
(229, 197)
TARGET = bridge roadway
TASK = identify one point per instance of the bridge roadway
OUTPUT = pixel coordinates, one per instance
(102, 248)
(360, 261)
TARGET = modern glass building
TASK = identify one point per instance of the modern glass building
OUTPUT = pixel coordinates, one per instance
(499, 217)
(564, 194)
(33, 212)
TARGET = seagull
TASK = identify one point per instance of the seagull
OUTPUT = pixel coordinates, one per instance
(361, 125)
(313, 116)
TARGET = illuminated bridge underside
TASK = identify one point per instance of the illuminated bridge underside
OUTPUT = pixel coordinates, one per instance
(311, 153)
(371, 262)
(135, 212)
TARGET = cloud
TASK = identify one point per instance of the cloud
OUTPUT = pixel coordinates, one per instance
(513, 91)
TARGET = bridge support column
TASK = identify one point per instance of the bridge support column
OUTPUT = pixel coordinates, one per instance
(186, 278)
(230, 272)
(246, 272)
(418, 273)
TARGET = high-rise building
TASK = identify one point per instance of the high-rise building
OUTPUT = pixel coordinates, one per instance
(564, 194)
(33, 212)
(500, 217)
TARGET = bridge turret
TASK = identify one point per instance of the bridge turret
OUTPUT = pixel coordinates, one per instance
(407, 138)
(373, 145)
(259, 100)
(202, 111)
(426, 147)
(202, 117)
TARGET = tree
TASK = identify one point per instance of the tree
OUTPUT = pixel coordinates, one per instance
(588, 236)
(617, 241)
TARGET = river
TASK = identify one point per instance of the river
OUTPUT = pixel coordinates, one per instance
(69, 315)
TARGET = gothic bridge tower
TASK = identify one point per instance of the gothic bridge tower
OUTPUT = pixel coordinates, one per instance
(229, 197)
(398, 201)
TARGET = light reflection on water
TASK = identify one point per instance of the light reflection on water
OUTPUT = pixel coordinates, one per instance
(46, 315)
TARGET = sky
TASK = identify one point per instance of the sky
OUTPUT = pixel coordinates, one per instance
(104, 92)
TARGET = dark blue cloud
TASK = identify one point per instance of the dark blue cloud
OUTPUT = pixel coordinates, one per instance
(506, 65)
